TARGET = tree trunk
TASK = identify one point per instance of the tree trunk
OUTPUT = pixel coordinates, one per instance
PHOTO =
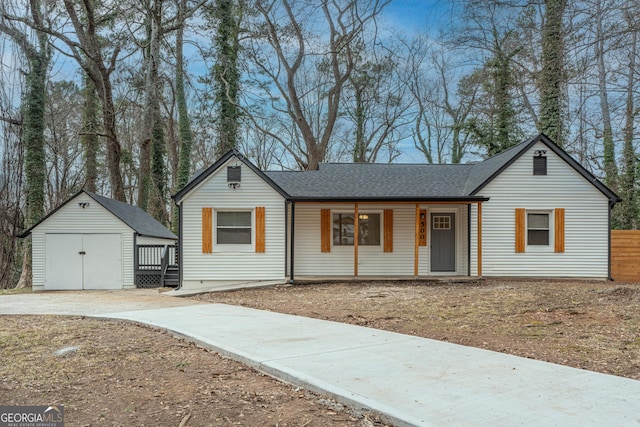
(610, 168)
(90, 57)
(33, 126)
(226, 74)
(629, 207)
(184, 125)
(114, 149)
(25, 280)
(360, 149)
(90, 135)
(147, 190)
(552, 77)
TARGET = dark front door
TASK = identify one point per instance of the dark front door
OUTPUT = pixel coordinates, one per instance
(443, 242)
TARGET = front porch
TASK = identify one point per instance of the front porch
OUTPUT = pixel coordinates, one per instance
(382, 240)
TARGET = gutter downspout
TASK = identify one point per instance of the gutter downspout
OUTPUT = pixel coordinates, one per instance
(136, 261)
(286, 237)
(180, 252)
(293, 233)
(469, 239)
(611, 204)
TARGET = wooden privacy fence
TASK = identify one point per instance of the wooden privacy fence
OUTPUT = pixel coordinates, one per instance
(625, 255)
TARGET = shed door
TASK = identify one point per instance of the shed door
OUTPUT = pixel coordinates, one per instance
(102, 261)
(443, 242)
(63, 267)
(83, 261)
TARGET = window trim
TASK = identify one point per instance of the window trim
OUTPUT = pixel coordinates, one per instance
(235, 247)
(380, 243)
(549, 229)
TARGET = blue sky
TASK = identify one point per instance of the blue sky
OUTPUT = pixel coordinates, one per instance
(416, 15)
(404, 16)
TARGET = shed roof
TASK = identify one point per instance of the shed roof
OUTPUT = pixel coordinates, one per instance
(140, 221)
(137, 219)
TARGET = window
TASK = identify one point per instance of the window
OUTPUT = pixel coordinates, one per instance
(368, 229)
(538, 229)
(441, 222)
(233, 228)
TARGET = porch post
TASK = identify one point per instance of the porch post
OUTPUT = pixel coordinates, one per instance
(293, 241)
(479, 239)
(356, 223)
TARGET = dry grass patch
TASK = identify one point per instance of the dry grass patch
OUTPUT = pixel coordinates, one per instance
(114, 373)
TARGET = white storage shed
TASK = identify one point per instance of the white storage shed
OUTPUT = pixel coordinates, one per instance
(90, 242)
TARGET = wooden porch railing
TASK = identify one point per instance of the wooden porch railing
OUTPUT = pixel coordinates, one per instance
(152, 263)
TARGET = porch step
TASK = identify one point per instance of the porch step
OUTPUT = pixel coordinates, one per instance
(172, 277)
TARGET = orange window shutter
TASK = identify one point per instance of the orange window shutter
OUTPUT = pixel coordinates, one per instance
(207, 230)
(325, 230)
(260, 230)
(559, 230)
(388, 230)
(521, 226)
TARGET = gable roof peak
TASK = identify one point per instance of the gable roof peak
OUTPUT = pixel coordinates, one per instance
(484, 172)
(197, 179)
(135, 218)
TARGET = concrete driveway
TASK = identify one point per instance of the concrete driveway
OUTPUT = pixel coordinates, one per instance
(87, 303)
(411, 381)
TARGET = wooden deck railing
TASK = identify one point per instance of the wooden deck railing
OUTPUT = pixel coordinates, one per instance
(151, 263)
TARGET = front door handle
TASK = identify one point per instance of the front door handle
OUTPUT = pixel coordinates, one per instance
(82, 252)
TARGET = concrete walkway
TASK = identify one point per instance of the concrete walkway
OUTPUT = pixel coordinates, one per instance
(409, 380)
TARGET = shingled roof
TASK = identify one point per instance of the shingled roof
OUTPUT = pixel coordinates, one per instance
(395, 182)
(137, 219)
(373, 181)
(140, 221)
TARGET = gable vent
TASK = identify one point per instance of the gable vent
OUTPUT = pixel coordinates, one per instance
(540, 163)
(234, 173)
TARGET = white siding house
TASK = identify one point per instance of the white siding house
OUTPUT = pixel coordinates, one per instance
(233, 228)
(531, 211)
(88, 243)
(586, 221)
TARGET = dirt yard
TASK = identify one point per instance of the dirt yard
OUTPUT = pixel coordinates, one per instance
(589, 325)
(112, 373)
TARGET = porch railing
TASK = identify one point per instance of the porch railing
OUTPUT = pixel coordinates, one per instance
(152, 263)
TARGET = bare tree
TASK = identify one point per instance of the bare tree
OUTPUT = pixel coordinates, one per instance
(628, 188)
(292, 37)
(98, 59)
(443, 100)
(376, 101)
(33, 121)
